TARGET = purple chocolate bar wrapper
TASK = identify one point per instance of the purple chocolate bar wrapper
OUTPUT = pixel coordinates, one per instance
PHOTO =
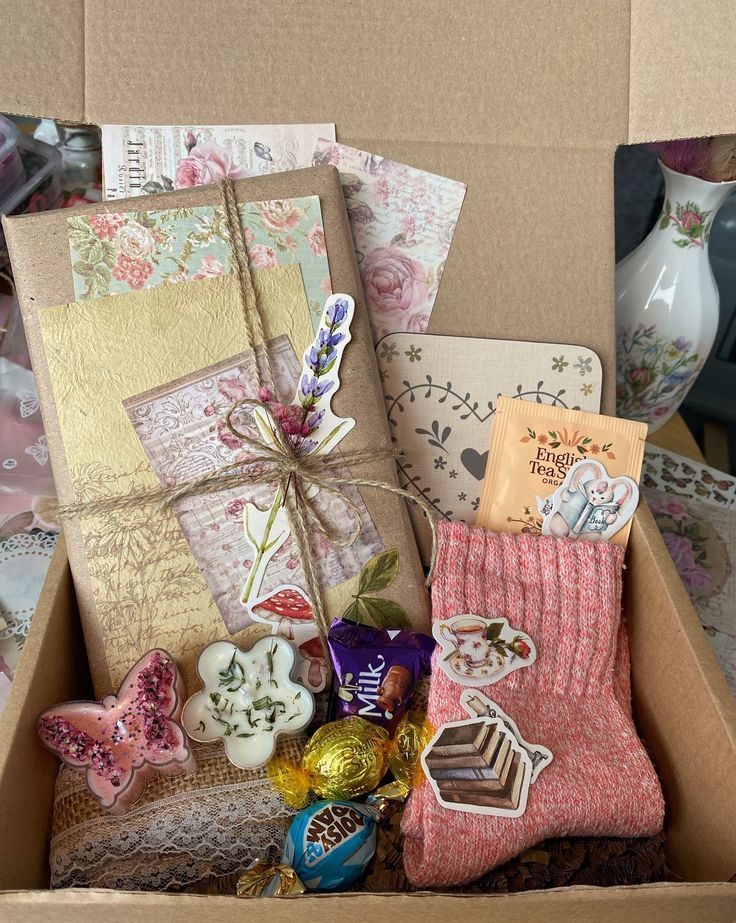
(376, 670)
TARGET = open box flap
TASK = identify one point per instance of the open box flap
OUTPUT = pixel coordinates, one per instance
(569, 75)
(682, 74)
(526, 103)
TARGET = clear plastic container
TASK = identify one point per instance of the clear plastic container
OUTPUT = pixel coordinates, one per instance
(42, 186)
(12, 174)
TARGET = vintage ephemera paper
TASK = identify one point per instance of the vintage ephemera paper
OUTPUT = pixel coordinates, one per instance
(140, 159)
(148, 590)
(403, 220)
(184, 437)
(441, 398)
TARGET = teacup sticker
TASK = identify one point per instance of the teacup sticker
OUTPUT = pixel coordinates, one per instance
(589, 504)
(477, 651)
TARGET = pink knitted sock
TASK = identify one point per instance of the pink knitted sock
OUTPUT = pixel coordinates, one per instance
(566, 595)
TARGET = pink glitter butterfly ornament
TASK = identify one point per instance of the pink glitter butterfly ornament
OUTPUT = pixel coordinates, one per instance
(127, 739)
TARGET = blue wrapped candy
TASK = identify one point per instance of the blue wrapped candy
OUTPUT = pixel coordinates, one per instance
(330, 844)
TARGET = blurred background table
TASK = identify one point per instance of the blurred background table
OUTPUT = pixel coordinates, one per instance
(676, 437)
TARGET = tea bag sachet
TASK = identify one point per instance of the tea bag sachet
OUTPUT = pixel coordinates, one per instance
(561, 472)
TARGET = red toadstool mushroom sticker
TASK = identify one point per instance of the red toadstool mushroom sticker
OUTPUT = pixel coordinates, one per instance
(289, 613)
(288, 602)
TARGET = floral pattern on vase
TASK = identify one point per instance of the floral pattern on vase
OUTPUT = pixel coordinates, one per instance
(689, 220)
(653, 372)
(667, 302)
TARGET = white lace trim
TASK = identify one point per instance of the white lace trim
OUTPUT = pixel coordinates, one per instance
(172, 842)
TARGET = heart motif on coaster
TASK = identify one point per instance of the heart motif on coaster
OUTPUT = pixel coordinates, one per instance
(441, 395)
(475, 462)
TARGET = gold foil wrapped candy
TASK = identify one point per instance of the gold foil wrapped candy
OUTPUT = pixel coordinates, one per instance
(348, 758)
(260, 878)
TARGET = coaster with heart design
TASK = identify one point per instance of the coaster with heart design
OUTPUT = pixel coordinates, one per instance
(441, 394)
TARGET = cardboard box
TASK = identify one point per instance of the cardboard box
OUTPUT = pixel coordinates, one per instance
(526, 103)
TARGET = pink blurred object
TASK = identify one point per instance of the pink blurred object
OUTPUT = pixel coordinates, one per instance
(24, 454)
(128, 738)
(689, 155)
(26, 481)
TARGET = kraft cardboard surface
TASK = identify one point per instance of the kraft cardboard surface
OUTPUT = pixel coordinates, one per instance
(679, 903)
(534, 144)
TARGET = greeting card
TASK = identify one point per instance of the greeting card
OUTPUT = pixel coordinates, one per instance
(441, 395)
(402, 220)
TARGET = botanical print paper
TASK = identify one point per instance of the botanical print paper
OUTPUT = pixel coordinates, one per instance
(181, 427)
(695, 509)
(402, 220)
(689, 478)
(441, 395)
(118, 252)
(100, 352)
(139, 159)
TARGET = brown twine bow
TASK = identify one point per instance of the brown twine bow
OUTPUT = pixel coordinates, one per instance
(275, 459)
(278, 460)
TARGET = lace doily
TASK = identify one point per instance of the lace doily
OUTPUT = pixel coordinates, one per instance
(185, 828)
(24, 561)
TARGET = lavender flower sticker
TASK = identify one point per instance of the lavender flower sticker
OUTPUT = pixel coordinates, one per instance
(309, 423)
(322, 430)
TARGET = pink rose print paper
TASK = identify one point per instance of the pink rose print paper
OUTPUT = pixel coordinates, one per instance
(694, 507)
(141, 159)
(403, 220)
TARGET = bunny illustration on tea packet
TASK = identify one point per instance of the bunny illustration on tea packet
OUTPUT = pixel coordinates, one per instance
(589, 504)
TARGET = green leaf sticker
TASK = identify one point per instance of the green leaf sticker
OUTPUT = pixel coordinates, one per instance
(385, 612)
(379, 572)
(494, 630)
(355, 613)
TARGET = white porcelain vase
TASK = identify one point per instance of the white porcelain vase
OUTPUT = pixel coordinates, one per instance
(667, 303)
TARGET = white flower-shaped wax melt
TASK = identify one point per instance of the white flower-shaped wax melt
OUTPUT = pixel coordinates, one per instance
(248, 700)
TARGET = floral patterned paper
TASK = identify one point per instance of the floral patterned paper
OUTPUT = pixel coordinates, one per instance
(120, 252)
(182, 429)
(695, 509)
(403, 220)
